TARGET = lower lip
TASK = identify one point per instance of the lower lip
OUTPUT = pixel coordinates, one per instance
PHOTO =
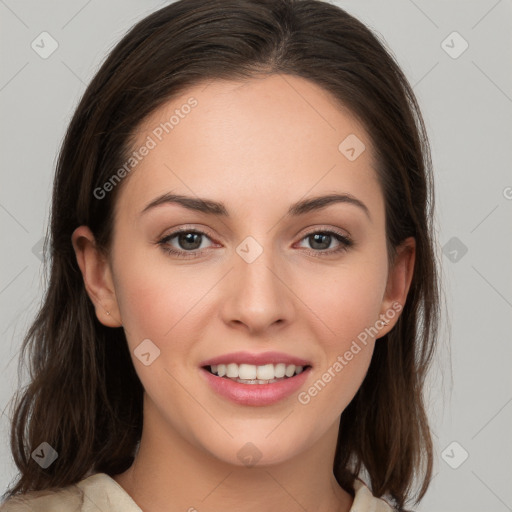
(255, 394)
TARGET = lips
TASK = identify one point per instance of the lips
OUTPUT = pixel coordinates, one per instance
(256, 359)
(255, 379)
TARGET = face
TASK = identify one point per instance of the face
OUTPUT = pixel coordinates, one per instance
(252, 285)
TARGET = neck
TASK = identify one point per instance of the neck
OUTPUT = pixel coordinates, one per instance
(169, 474)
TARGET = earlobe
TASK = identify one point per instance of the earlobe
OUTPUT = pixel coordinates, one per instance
(97, 277)
(399, 282)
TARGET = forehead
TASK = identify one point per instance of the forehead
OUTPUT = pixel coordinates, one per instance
(278, 137)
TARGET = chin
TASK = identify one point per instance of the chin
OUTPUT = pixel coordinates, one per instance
(256, 448)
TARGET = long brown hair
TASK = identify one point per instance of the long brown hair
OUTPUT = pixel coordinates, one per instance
(84, 397)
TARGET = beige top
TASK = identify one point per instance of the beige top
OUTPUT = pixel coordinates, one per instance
(100, 492)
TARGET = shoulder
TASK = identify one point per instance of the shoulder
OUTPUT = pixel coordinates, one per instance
(365, 501)
(68, 499)
(96, 492)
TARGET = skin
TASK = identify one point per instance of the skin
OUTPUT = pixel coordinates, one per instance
(257, 146)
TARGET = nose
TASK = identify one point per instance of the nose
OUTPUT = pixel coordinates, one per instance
(259, 297)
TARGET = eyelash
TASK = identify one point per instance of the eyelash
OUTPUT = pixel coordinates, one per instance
(345, 244)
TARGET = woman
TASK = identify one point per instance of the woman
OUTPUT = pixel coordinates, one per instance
(243, 300)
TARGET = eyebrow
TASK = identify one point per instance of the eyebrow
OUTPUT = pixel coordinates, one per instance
(211, 207)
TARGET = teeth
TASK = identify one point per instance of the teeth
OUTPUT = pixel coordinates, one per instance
(265, 372)
(252, 374)
(247, 372)
(279, 370)
(290, 370)
(232, 370)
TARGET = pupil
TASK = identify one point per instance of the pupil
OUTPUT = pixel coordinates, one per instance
(187, 240)
(317, 239)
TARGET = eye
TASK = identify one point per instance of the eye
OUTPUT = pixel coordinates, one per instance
(190, 243)
(321, 240)
(188, 240)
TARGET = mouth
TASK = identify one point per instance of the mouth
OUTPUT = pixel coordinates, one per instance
(251, 374)
(255, 379)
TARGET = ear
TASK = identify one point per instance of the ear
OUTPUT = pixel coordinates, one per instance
(97, 277)
(398, 284)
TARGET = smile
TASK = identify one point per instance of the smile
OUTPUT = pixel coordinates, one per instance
(255, 379)
(252, 374)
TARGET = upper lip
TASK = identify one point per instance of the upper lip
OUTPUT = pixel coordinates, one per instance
(259, 359)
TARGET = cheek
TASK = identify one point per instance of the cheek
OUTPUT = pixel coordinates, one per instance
(333, 387)
(346, 300)
(155, 299)
(349, 308)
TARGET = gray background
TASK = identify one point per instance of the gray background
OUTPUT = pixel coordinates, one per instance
(467, 104)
